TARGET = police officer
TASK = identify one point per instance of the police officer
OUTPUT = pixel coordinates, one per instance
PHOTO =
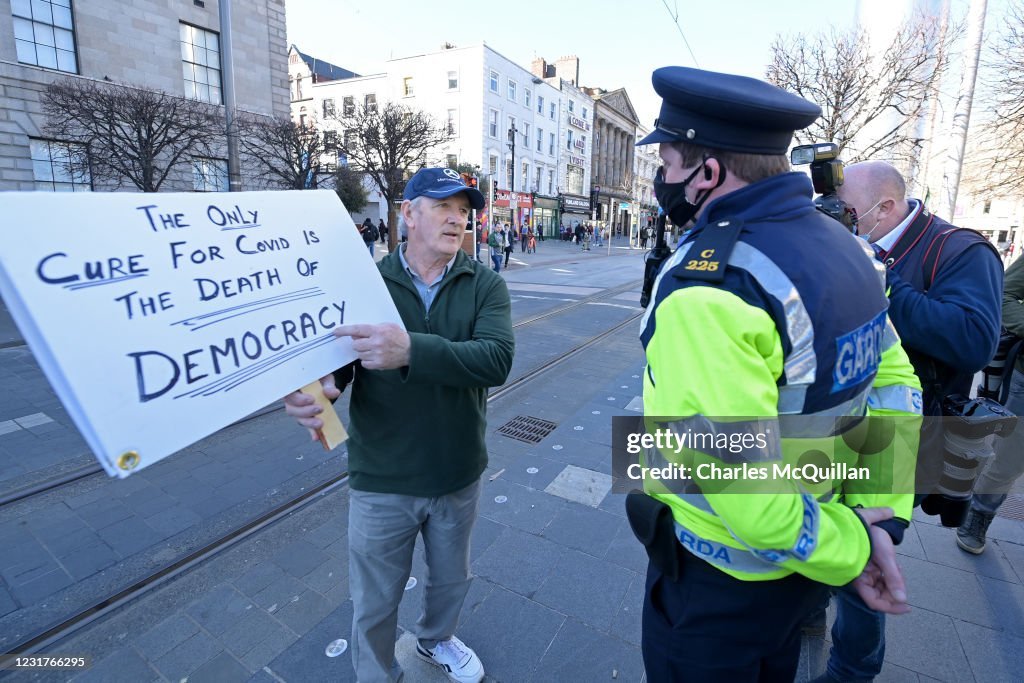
(773, 311)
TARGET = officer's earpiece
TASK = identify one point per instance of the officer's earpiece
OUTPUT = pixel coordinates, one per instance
(707, 173)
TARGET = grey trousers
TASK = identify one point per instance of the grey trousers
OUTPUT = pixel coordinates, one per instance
(992, 487)
(382, 529)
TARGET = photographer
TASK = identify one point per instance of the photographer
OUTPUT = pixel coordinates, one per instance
(945, 286)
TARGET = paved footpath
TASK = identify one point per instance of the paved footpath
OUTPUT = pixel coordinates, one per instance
(559, 576)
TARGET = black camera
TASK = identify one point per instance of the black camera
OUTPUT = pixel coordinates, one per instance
(826, 175)
(967, 422)
(655, 257)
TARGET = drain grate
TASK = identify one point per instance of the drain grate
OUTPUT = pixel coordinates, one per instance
(526, 428)
(1013, 507)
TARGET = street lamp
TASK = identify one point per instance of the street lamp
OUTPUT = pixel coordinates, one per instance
(512, 178)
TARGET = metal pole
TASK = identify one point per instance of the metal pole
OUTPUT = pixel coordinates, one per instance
(512, 179)
(962, 114)
(228, 74)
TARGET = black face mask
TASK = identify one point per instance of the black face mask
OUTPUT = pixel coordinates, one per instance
(672, 196)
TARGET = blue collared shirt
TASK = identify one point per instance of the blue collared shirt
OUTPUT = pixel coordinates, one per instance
(426, 291)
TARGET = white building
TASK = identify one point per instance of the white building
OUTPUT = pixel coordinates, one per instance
(481, 96)
(575, 138)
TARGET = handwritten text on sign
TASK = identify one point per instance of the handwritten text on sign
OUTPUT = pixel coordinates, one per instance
(162, 318)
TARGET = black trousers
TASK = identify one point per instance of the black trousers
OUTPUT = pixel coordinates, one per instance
(710, 627)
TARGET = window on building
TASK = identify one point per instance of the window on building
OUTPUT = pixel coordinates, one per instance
(210, 175)
(56, 169)
(330, 140)
(494, 81)
(407, 87)
(303, 119)
(553, 111)
(329, 107)
(574, 179)
(540, 104)
(453, 126)
(987, 207)
(524, 180)
(370, 102)
(298, 88)
(492, 124)
(347, 139)
(492, 165)
(551, 145)
(508, 174)
(348, 105)
(452, 160)
(526, 135)
(584, 113)
(44, 34)
(453, 80)
(571, 105)
(540, 140)
(200, 65)
(1004, 235)
(526, 97)
(551, 182)
(568, 140)
(583, 142)
(512, 85)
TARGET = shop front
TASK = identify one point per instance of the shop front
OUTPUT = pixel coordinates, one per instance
(545, 216)
(512, 207)
(574, 209)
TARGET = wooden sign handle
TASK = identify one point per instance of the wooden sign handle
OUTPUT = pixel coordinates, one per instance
(333, 432)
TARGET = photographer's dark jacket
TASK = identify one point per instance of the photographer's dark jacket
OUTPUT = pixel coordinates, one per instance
(950, 329)
(419, 430)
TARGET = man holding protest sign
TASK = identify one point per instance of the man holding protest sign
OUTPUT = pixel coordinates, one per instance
(417, 428)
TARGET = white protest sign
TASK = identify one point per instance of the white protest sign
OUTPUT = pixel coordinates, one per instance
(161, 318)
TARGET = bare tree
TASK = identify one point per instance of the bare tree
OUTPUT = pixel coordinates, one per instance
(871, 96)
(123, 133)
(279, 153)
(997, 164)
(385, 143)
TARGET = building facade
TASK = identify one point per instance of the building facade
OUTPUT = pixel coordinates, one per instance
(169, 45)
(575, 138)
(615, 124)
(528, 136)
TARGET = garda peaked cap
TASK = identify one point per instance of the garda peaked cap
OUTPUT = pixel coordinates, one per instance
(726, 111)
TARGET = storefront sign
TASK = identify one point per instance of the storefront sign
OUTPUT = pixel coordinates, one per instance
(579, 123)
(504, 198)
(576, 161)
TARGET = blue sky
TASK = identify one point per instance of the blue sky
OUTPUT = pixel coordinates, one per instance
(619, 43)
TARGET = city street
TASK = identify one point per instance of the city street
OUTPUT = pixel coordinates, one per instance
(559, 575)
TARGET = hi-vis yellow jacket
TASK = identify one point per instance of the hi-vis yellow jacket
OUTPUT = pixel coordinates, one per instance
(789, 344)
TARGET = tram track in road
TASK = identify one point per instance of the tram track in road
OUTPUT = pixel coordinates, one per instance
(46, 638)
(49, 484)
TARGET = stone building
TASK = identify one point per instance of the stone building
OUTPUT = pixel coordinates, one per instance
(615, 124)
(169, 45)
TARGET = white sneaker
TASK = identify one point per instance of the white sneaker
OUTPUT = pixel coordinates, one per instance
(458, 661)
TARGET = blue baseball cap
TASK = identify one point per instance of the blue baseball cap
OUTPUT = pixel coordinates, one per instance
(726, 111)
(438, 183)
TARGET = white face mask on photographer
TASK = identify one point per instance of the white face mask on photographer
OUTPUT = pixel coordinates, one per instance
(867, 235)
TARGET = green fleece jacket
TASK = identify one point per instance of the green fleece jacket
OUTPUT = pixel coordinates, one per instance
(420, 430)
